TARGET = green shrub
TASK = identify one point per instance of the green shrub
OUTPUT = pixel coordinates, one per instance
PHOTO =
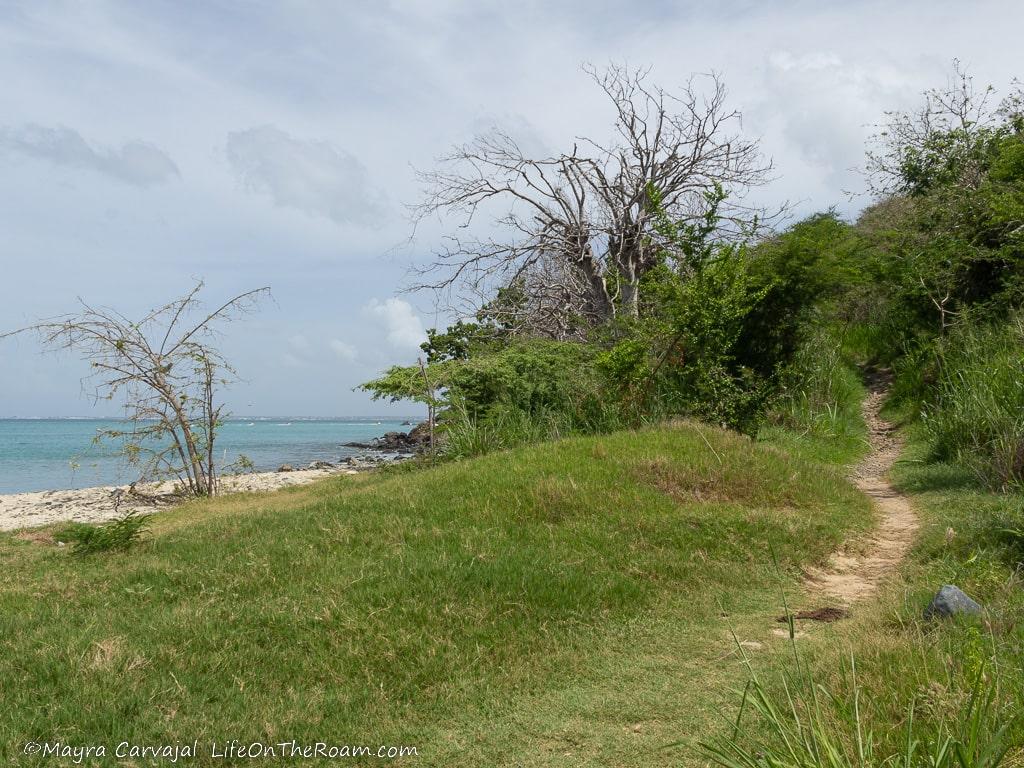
(116, 535)
(977, 414)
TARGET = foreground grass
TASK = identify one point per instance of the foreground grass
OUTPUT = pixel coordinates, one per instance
(900, 676)
(567, 603)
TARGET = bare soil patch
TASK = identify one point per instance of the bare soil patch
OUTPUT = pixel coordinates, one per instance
(826, 614)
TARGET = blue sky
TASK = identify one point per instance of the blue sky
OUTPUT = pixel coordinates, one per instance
(147, 144)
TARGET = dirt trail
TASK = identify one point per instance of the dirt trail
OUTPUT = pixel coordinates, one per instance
(854, 575)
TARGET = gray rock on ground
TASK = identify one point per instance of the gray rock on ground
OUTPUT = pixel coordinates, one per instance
(950, 601)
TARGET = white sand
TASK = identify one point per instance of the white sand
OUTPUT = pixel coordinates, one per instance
(90, 505)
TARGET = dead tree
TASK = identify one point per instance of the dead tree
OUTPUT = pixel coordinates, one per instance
(579, 227)
(168, 372)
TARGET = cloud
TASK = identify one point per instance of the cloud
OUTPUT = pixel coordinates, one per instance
(134, 162)
(829, 105)
(404, 330)
(343, 350)
(311, 176)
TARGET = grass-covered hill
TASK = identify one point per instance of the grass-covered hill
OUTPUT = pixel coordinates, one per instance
(563, 603)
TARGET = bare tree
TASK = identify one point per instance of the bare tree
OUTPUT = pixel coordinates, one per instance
(168, 372)
(577, 229)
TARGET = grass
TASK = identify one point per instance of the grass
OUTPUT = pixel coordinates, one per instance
(564, 603)
(916, 681)
(817, 415)
(977, 417)
(588, 601)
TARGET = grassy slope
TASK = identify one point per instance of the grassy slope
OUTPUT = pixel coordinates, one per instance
(567, 603)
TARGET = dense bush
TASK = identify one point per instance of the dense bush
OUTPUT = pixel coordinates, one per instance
(689, 351)
(976, 416)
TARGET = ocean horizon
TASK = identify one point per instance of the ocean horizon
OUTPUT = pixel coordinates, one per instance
(39, 453)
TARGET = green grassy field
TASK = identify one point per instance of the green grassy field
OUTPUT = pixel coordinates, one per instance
(568, 603)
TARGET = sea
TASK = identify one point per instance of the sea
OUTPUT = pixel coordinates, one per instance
(59, 454)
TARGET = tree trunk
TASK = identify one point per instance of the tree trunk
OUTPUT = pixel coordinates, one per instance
(631, 298)
(599, 303)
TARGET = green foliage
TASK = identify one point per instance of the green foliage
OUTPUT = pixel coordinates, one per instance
(717, 324)
(820, 392)
(469, 435)
(406, 382)
(728, 330)
(802, 271)
(976, 416)
(699, 319)
(681, 354)
(508, 394)
(456, 342)
(117, 535)
(532, 376)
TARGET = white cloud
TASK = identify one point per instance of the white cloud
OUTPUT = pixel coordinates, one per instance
(391, 86)
(134, 162)
(343, 350)
(311, 176)
(817, 108)
(403, 328)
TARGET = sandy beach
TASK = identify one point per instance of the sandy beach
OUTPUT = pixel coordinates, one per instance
(91, 505)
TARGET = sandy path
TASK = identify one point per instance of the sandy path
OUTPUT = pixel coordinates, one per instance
(90, 505)
(852, 576)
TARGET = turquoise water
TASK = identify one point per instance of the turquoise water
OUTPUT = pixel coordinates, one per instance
(47, 454)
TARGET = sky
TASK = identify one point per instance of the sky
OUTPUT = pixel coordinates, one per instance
(146, 145)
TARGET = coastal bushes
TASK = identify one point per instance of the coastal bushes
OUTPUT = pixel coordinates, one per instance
(756, 331)
(690, 351)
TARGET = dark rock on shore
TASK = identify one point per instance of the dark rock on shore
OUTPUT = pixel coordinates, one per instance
(413, 441)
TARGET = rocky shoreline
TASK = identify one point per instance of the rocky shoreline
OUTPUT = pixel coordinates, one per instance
(98, 504)
(414, 441)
